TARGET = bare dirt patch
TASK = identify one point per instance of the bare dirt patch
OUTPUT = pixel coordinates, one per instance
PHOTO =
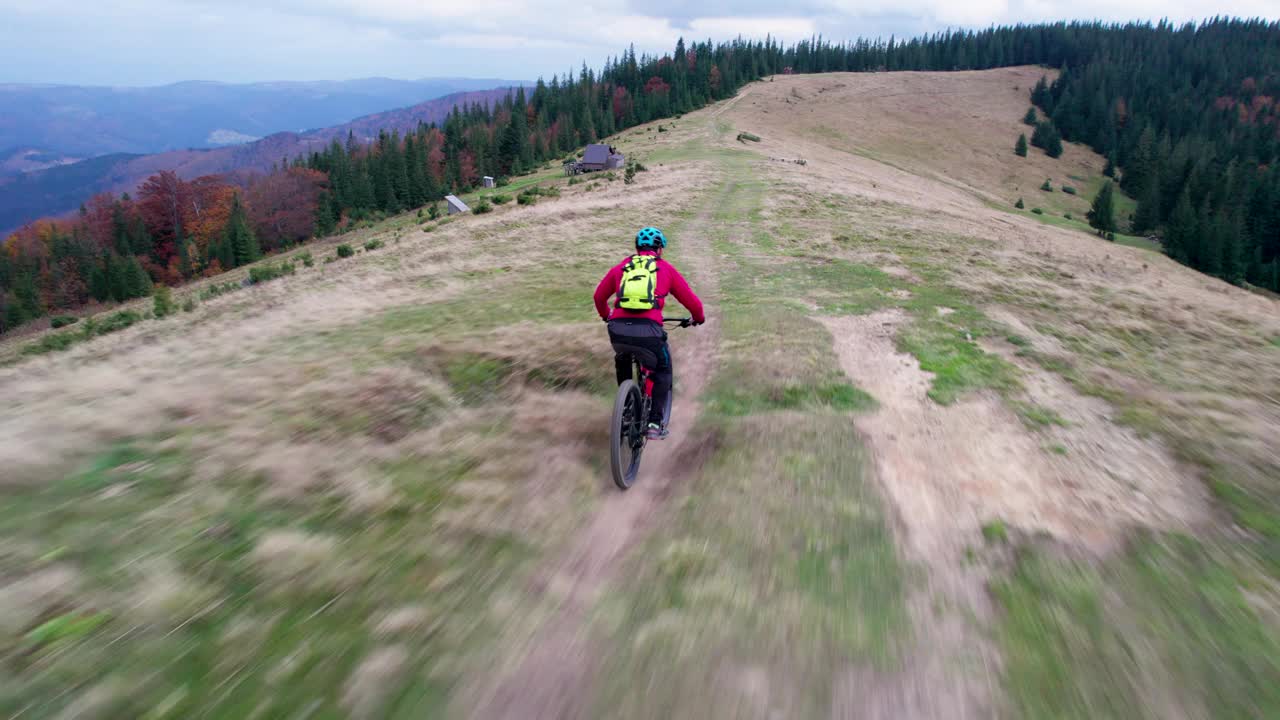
(950, 470)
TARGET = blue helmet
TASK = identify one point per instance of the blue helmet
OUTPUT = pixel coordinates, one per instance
(650, 237)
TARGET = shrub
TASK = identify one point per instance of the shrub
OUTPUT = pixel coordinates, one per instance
(1047, 186)
(306, 258)
(1111, 236)
(551, 192)
(63, 320)
(527, 198)
(162, 302)
(746, 136)
(189, 305)
(574, 180)
(661, 129)
(1067, 216)
(433, 211)
(629, 176)
(482, 207)
(216, 289)
(114, 322)
(345, 251)
(502, 182)
(1019, 204)
(610, 176)
(373, 245)
(270, 271)
(1068, 190)
(1037, 211)
(504, 199)
(50, 343)
(640, 167)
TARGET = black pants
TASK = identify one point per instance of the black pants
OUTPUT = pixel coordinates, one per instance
(650, 336)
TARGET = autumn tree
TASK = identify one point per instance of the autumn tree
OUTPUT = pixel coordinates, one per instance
(283, 207)
(164, 200)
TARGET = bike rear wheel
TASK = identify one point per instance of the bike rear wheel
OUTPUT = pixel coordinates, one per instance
(627, 441)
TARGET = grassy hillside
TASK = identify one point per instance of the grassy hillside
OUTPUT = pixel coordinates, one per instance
(932, 456)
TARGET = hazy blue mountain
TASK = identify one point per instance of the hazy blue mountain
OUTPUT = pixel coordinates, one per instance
(46, 125)
(61, 188)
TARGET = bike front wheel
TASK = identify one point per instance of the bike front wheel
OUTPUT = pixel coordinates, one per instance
(627, 439)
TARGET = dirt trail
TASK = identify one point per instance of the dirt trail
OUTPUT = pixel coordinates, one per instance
(555, 667)
(947, 471)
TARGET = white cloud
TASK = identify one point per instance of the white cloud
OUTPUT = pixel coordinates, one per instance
(787, 29)
(120, 41)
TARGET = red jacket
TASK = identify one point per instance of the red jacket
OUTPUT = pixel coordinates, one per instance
(670, 282)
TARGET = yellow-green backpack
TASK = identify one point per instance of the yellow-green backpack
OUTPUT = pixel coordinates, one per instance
(638, 289)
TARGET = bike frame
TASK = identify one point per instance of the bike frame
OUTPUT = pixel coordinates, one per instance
(644, 376)
(628, 435)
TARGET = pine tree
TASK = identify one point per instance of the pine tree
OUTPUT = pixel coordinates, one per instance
(117, 270)
(27, 297)
(136, 281)
(242, 244)
(1182, 232)
(1053, 147)
(1110, 169)
(1019, 204)
(1040, 136)
(1231, 244)
(1020, 148)
(1040, 95)
(99, 289)
(1147, 216)
(1102, 213)
(1047, 186)
(1030, 117)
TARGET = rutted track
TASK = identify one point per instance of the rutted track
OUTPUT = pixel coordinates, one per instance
(554, 675)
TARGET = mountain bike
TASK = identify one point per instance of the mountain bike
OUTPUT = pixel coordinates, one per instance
(631, 412)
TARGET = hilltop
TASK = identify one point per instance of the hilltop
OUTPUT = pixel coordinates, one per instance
(934, 456)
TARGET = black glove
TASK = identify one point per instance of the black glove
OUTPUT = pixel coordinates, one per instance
(696, 323)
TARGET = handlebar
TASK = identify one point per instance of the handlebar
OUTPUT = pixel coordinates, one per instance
(684, 321)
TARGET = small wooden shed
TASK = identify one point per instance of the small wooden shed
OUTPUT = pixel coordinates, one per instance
(455, 205)
(600, 157)
(488, 181)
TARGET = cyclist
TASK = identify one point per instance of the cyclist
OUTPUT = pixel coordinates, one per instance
(642, 283)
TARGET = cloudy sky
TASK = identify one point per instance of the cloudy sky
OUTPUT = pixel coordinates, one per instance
(145, 42)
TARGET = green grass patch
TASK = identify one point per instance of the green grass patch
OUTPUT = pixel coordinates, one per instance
(1037, 417)
(1139, 242)
(68, 627)
(476, 378)
(1073, 634)
(995, 532)
(958, 364)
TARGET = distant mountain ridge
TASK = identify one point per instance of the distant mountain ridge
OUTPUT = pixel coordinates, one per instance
(62, 122)
(61, 189)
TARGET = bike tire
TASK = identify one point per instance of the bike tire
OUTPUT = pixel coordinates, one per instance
(627, 437)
